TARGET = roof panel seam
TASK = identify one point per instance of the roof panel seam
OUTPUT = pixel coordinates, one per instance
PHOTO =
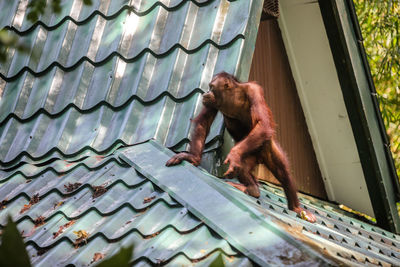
(94, 209)
(113, 240)
(115, 53)
(107, 17)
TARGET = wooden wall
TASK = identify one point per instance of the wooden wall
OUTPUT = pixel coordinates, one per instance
(270, 68)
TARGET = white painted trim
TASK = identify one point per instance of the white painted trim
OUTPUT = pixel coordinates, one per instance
(318, 87)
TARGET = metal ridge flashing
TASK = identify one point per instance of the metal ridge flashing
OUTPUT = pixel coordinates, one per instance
(194, 189)
(355, 81)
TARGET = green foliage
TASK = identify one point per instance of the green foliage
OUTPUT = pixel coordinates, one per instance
(122, 258)
(218, 262)
(36, 8)
(13, 252)
(9, 39)
(380, 26)
(12, 248)
(87, 2)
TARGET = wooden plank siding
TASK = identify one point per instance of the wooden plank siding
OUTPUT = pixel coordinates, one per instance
(270, 68)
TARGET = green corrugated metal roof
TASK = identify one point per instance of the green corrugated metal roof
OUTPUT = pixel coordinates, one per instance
(172, 222)
(110, 76)
(132, 210)
(114, 66)
(243, 228)
(336, 238)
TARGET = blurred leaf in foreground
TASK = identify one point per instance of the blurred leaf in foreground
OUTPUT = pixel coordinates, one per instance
(121, 259)
(218, 262)
(12, 249)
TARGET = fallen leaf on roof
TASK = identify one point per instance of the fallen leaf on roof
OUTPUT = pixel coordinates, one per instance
(148, 199)
(56, 205)
(25, 208)
(203, 251)
(98, 190)
(81, 233)
(81, 239)
(41, 251)
(230, 258)
(99, 157)
(68, 224)
(39, 221)
(3, 204)
(62, 228)
(35, 199)
(159, 261)
(28, 181)
(137, 215)
(72, 187)
(152, 235)
(97, 256)
(55, 234)
(360, 214)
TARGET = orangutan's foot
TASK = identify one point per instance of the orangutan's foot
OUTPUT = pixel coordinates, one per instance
(305, 214)
(251, 190)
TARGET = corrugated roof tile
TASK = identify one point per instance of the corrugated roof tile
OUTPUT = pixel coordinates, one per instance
(160, 227)
(73, 131)
(100, 38)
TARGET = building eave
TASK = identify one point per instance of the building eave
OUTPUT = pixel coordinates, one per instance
(362, 107)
